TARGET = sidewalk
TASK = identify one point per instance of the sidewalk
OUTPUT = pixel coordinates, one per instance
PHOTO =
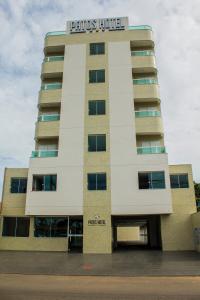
(128, 263)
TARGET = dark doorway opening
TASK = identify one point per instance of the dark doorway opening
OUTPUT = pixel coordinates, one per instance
(136, 232)
(75, 234)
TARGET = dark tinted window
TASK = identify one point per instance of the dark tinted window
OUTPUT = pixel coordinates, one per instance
(16, 226)
(50, 227)
(18, 185)
(97, 181)
(151, 180)
(97, 48)
(179, 181)
(97, 143)
(44, 182)
(97, 107)
(96, 76)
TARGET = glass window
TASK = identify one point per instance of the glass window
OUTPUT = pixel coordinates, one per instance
(179, 181)
(51, 227)
(18, 185)
(96, 143)
(16, 226)
(97, 48)
(44, 182)
(97, 181)
(97, 107)
(96, 76)
(151, 180)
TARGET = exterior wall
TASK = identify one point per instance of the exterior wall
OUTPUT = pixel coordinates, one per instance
(146, 92)
(49, 68)
(149, 125)
(177, 232)
(147, 63)
(47, 129)
(51, 97)
(68, 198)
(196, 230)
(97, 238)
(32, 243)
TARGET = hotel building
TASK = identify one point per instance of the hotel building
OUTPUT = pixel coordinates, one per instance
(98, 178)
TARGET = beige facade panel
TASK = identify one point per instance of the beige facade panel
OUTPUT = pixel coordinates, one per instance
(149, 126)
(32, 243)
(52, 69)
(146, 92)
(47, 129)
(13, 204)
(50, 98)
(177, 229)
(144, 64)
(196, 230)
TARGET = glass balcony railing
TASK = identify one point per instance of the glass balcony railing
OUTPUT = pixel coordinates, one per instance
(51, 86)
(49, 118)
(54, 58)
(44, 153)
(140, 27)
(142, 53)
(55, 33)
(147, 113)
(151, 150)
(145, 81)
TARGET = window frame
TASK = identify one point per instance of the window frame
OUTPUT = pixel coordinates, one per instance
(97, 48)
(97, 104)
(98, 147)
(51, 227)
(151, 181)
(34, 189)
(19, 185)
(16, 221)
(97, 184)
(178, 175)
(96, 74)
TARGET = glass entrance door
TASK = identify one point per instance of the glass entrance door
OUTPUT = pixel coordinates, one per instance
(75, 234)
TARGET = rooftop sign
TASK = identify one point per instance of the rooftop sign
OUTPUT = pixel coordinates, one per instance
(107, 24)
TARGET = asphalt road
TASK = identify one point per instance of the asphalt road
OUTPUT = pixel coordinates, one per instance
(42, 287)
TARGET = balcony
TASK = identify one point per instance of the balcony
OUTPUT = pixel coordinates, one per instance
(51, 86)
(52, 67)
(151, 150)
(142, 53)
(49, 118)
(144, 81)
(44, 153)
(147, 113)
(44, 130)
(149, 126)
(143, 62)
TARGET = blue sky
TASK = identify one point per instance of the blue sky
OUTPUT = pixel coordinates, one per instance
(176, 26)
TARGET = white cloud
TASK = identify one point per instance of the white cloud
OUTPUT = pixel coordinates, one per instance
(176, 26)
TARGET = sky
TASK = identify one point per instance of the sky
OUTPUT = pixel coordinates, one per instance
(176, 26)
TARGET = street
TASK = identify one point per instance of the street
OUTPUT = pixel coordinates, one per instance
(51, 287)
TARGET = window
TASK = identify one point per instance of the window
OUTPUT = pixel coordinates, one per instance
(96, 142)
(151, 180)
(18, 185)
(97, 48)
(97, 181)
(96, 107)
(44, 182)
(16, 226)
(179, 181)
(51, 227)
(96, 76)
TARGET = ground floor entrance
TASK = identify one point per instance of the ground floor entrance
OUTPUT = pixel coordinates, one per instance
(136, 232)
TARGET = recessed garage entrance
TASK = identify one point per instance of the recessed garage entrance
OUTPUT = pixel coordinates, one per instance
(136, 232)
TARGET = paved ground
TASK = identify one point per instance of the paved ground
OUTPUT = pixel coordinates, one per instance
(42, 287)
(129, 263)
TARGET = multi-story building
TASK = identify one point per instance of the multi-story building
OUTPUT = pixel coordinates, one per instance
(99, 176)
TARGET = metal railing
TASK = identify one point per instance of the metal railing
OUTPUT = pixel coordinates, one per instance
(145, 81)
(147, 113)
(151, 150)
(140, 27)
(142, 53)
(51, 86)
(44, 153)
(49, 118)
(55, 33)
(54, 58)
